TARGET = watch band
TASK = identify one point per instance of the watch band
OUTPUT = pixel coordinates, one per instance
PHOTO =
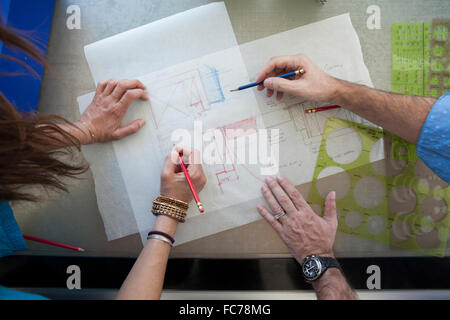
(330, 263)
(324, 264)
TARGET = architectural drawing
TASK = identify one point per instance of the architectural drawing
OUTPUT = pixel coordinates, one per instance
(188, 94)
(227, 171)
(311, 126)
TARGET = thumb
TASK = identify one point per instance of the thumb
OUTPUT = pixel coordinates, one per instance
(330, 208)
(170, 163)
(130, 129)
(280, 84)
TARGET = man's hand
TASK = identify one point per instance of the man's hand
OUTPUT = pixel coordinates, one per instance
(103, 116)
(302, 230)
(314, 85)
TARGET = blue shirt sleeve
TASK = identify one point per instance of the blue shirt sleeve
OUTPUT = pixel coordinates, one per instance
(11, 238)
(9, 294)
(433, 146)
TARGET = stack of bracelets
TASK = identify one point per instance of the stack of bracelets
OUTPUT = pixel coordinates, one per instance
(172, 208)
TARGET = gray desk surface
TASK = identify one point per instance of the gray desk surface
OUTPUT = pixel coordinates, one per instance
(74, 218)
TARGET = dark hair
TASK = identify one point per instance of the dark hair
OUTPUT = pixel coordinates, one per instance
(30, 143)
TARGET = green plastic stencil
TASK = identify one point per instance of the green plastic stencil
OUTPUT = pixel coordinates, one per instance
(420, 58)
(395, 201)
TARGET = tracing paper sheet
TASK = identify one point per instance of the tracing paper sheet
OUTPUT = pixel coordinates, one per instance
(334, 46)
(135, 53)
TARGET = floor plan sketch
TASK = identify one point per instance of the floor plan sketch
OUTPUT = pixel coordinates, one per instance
(188, 94)
(198, 91)
(227, 171)
(311, 126)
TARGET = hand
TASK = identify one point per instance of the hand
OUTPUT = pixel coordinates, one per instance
(174, 183)
(314, 85)
(301, 229)
(103, 116)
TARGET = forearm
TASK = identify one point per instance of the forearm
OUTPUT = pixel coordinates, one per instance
(332, 285)
(400, 114)
(62, 135)
(80, 131)
(146, 278)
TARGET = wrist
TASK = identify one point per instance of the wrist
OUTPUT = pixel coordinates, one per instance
(338, 91)
(329, 276)
(166, 224)
(318, 253)
(87, 134)
(184, 198)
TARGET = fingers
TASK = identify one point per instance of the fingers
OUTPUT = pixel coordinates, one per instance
(279, 95)
(270, 218)
(130, 129)
(280, 84)
(131, 95)
(125, 85)
(273, 203)
(281, 197)
(110, 86)
(280, 63)
(102, 86)
(292, 192)
(170, 164)
(330, 208)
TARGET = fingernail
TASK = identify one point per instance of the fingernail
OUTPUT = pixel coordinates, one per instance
(142, 123)
(268, 83)
(333, 195)
(279, 178)
(269, 179)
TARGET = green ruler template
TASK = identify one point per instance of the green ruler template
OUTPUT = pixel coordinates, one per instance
(420, 58)
(397, 201)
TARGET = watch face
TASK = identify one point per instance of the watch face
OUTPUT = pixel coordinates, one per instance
(312, 268)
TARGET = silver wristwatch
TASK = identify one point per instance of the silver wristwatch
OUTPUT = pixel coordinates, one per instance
(313, 267)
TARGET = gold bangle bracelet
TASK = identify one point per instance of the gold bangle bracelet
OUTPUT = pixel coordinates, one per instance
(163, 209)
(171, 215)
(170, 207)
(157, 204)
(175, 202)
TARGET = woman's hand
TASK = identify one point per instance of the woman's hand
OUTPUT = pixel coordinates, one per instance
(302, 230)
(314, 85)
(173, 181)
(101, 120)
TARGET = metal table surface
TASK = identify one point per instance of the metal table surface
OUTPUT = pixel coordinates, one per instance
(74, 217)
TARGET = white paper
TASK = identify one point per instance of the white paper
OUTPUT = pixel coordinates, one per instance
(131, 54)
(332, 44)
(161, 44)
(199, 90)
(112, 197)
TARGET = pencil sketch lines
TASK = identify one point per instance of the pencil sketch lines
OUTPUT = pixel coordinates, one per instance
(227, 171)
(188, 94)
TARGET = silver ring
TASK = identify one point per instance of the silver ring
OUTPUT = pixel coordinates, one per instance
(278, 216)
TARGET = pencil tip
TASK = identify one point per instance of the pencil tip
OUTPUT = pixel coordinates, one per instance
(234, 90)
(82, 250)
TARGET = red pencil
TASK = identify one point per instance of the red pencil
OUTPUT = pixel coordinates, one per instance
(53, 243)
(314, 110)
(191, 185)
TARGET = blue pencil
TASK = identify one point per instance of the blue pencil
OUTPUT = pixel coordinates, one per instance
(254, 84)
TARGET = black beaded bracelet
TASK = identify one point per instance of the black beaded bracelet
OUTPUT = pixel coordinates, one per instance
(162, 234)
